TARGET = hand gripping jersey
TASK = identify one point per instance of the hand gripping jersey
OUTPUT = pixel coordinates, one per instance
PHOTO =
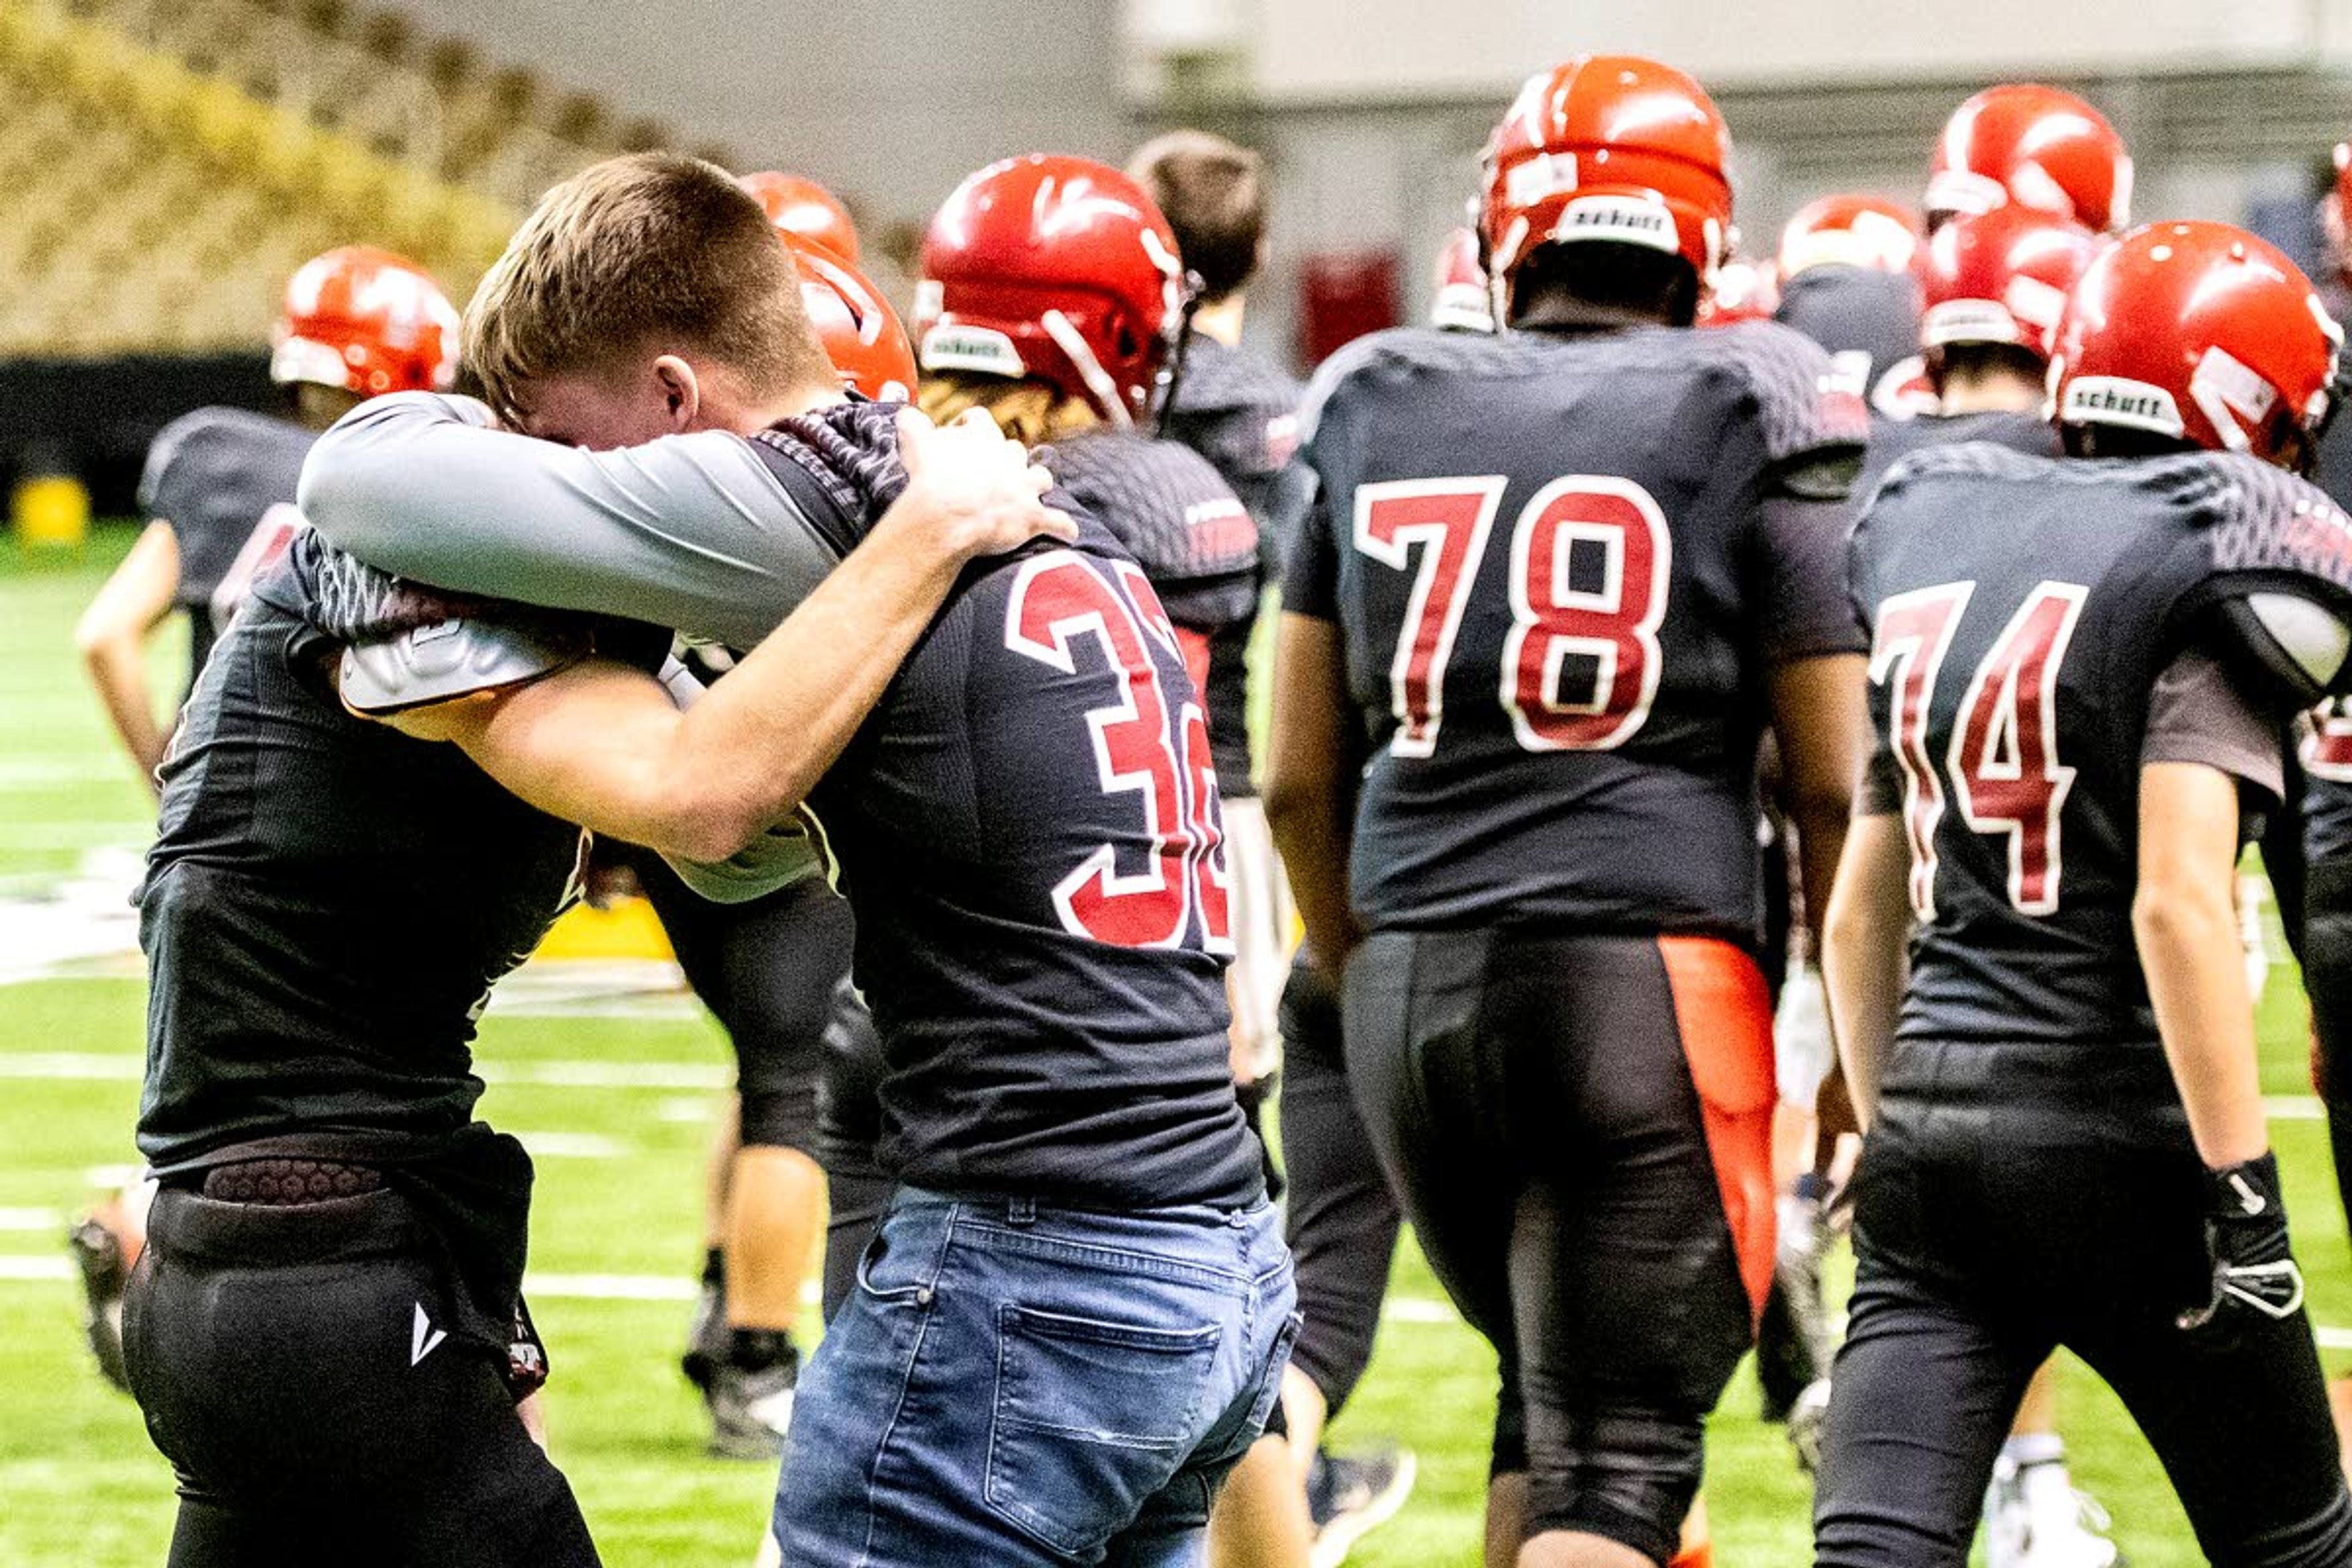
(224, 480)
(1197, 546)
(2021, 610)
(1028, 834)
(1561, 568)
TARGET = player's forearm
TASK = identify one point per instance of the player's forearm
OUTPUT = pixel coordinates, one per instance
(759, 740)
(1310, 783)
(1866, 931)
(2197, 980)
(688, 532)
(118, 669)
(2184, 920)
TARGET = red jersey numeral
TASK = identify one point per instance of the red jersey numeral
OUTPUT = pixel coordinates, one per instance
(2002, 759)
(1139, 749)
(1449, 521)
(1613, 620)
(2327, 747)
(2005, 754)
(1914, 631)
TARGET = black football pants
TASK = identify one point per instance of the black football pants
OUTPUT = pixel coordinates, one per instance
(299, 1369)
(1579, 1129)
(2003, 1211)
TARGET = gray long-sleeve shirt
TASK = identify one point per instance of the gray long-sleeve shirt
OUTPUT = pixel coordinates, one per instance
(689, 531)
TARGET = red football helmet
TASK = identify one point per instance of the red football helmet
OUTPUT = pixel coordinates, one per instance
(2001, 277)
(1850, 231)
(805, 210)
(860, 332)
(1742, 291)
(2198, 330)
(1461, 302)
(1609, 147)
(2037, 146)
(1056, 268)
(2336, 214)
(368, 322)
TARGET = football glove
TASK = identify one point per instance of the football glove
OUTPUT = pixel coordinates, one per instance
(2254, 1273)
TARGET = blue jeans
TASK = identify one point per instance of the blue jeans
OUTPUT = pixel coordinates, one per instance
(1013, 1382)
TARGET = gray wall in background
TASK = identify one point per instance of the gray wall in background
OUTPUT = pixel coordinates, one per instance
(890, 101)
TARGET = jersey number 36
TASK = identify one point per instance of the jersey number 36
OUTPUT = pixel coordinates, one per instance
(2002, 758)
(1608, 622)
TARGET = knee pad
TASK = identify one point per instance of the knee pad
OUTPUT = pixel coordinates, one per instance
(1631, 1480)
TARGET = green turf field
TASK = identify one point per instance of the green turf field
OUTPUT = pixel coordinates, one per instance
(618, 1221)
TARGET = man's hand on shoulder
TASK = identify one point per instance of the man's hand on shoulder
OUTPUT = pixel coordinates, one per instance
(971, 490)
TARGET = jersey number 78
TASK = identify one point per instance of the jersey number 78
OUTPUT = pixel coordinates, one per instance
(1612, 621)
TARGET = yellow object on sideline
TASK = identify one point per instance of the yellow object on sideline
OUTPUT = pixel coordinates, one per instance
(627, 930)
(52, 509)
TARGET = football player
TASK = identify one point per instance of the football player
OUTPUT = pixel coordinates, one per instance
(2083, 666)
(1027, 830)
(1240, 412)
(219, 483)
(1845, 282)
(767, 968)
(2325, 931)
(219, 490)
(1553, 586)
(1461, 298)
(1994, 285)
(326, 1331)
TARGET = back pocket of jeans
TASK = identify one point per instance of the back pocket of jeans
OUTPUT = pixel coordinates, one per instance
(1092, 1419)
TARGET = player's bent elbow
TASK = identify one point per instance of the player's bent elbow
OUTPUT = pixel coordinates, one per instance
(2178, 920)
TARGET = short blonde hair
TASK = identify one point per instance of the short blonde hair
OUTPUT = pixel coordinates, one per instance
(1032, 412)
(649, 250)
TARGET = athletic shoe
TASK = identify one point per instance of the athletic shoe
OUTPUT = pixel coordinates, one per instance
(751, 1407)
(1351, 1494)
(2034, 1518)
(1793, 1344)
(98, 1252)
(707, 1336)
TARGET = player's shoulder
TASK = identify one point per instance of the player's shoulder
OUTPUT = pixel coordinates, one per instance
(215, 445)
(2256, 516)
(1790, 381)
(1165, 502)
(1228, 378)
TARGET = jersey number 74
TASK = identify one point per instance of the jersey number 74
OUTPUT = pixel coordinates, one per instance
(2002, 757)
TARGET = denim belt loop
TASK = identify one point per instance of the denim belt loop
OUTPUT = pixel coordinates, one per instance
(1020, 1211)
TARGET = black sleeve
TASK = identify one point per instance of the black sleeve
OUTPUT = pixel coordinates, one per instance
(1310, 584)
(1882, 786)
(1804, 607)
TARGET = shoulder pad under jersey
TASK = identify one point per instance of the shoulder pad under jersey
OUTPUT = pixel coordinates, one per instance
(1164, 501)
(1800, 400)
(451, 659)
(2280, 553)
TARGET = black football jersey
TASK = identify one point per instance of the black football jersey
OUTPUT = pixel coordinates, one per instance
(1198, 545)
(2325, 754)
(1892, 440)
(1559, 585)
(328, 902)
(2022, 611)
(1028, 834)
(1869, 322)
(1241, 413)
(224, 480)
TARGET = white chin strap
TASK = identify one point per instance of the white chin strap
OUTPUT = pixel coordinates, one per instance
(1073, 345)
